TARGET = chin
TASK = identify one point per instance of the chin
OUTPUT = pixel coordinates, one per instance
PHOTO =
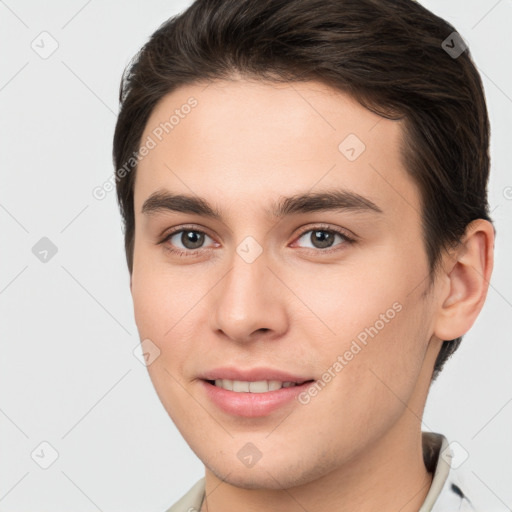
(265, 475)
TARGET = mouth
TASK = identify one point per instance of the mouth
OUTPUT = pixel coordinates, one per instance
(253, 392)
(254, 398)
(257, 386)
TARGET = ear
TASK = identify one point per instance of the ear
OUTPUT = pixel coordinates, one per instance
(468, 272)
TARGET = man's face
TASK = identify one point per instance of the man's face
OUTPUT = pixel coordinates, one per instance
(334, 296)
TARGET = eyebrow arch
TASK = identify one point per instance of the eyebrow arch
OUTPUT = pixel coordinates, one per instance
(329, 200)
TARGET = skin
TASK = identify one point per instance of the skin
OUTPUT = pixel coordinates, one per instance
(357, 444)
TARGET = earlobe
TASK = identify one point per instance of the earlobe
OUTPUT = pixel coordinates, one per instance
(468, 273)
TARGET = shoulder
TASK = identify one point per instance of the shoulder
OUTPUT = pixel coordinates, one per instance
(192, 500)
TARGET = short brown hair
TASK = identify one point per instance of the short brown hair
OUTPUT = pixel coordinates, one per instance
(387, 54)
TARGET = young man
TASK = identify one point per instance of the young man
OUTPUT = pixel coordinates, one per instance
(303, 186)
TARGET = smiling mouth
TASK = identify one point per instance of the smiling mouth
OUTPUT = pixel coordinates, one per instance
(260, 386)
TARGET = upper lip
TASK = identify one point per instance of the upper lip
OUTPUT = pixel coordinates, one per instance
(252, 375)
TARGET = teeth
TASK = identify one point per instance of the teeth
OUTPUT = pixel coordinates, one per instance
(224, 383)
(260, 386)
(240, 386)
(274, 384)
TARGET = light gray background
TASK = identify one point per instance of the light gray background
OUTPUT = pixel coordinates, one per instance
(68, 375)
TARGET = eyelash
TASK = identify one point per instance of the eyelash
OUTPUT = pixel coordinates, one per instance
(187, 253)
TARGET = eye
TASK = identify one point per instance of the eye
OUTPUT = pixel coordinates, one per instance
(189, 242)
(322, 238)
(185, 242)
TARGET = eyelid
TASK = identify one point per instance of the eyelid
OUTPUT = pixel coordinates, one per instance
(192, 227)
(184, 227)
(183, 252)
(348, 238)
(327, 227)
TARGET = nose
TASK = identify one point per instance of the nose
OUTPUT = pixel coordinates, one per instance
(249, 303)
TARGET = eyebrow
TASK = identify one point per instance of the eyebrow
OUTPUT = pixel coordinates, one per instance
(329, 200)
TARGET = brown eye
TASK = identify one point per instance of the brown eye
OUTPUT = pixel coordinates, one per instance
(321, 238)
(192, 239)
(185, 241)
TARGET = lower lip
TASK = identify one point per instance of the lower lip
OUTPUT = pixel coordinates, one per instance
(252, 405)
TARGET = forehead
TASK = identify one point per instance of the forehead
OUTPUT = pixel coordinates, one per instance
(251, 142)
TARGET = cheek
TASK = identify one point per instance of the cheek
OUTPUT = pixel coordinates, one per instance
(160, 310)
(374, 334)
(168, 304)
(160, 297)
(372, 382)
